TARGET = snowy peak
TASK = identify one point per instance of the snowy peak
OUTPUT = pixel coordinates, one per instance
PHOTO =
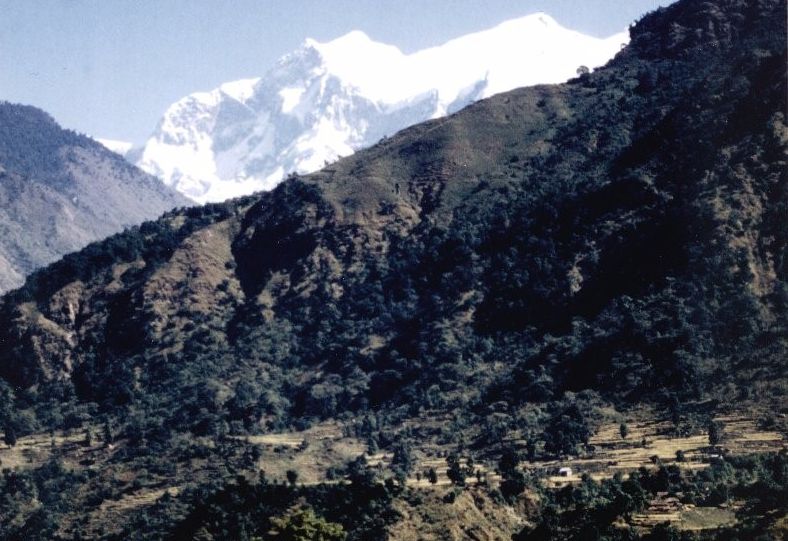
(118, 147)
(534, 22)
(240, 90)
(355, 45)
(346, 45)
(326, 100)
(535, 49)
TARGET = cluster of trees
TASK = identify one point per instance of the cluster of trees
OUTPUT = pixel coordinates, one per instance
(304, 525)
(592, 510)
(247, 511)
(49, 491)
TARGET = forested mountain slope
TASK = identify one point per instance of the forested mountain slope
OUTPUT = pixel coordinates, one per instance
(60, 191)
(618, 240)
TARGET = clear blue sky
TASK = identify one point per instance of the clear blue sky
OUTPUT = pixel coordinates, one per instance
(109, 68)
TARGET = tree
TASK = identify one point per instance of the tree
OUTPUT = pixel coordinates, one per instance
(402, 460)
(10, 436)
(432, 476)
(647, 81)
(623, 429)
(512, 478)
(716, 433)
(88, 441)
(292, 476)
(565, 431)
(582, 70)
(107, 435)
(358, 473)
(456, 471)
(530, 449)
(509, 462)
(372, 445)
(305, 525)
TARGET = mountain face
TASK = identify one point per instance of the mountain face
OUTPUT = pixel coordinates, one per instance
(500, 282)
(327, 100)
(59, 191)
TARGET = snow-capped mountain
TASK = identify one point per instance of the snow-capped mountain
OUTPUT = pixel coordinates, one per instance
(118, 147)
(326, 100)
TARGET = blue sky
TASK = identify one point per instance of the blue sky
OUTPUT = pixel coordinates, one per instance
(109, 68)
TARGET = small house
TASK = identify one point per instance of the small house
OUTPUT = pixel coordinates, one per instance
(564, 472)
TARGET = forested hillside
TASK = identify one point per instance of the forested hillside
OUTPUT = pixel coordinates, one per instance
(502, 283)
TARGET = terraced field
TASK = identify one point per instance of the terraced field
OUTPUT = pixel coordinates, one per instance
(319, 454)
(649, 443)
(34, 450)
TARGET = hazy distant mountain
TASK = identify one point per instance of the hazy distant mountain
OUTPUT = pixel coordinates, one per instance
(327, 100)
(60, 190)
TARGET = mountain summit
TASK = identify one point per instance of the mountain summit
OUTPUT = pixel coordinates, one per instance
(327, 100)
